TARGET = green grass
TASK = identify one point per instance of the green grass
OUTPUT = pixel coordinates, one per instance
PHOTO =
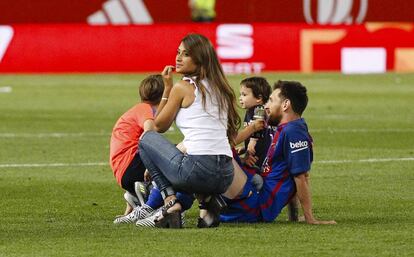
(68, 210)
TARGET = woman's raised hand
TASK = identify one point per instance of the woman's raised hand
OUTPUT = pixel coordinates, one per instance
(167, 75)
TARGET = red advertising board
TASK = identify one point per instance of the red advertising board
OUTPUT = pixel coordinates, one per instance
(239, 11)
(242, 48)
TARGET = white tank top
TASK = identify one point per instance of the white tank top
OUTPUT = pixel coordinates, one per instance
(204, 130)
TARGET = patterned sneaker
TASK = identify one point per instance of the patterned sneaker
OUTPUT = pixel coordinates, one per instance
(140, 212)
(149, 222)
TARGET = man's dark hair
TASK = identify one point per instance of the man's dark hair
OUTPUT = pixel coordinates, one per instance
(295, 92)
(151, 89)
(259, 86)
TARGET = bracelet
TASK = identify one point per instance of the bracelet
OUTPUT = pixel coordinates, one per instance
(164, 98)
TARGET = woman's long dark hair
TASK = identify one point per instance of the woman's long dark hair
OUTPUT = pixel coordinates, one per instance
(205, 58)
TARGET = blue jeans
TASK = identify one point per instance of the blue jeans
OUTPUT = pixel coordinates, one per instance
(172, 170)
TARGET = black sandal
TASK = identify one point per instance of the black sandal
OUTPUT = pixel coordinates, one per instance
(169, 219)
(214, 206)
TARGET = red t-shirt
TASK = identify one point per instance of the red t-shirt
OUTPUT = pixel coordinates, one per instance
(125, 138)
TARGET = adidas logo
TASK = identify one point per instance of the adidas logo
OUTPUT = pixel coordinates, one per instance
(142, 188)
(6, 35)
(121, 12)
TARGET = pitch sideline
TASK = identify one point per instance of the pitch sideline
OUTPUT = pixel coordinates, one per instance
(42, 165)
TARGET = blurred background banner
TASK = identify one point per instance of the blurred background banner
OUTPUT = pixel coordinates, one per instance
(228, 11)
(242, 48)
(250, 36)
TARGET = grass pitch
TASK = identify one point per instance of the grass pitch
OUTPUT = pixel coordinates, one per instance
(59, 197)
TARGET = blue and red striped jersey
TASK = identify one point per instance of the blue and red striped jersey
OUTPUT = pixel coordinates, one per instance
(289, 155)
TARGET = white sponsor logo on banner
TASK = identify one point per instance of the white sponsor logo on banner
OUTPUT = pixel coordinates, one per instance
(121, 12)
(235, 42)
(6, 35)
(335, 11)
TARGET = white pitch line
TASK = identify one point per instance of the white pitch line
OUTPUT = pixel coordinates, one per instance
(107, 134)
(365, 160)
(53, 134)
(61, 135)
(41, 165)
(328, 130)
(6, 89)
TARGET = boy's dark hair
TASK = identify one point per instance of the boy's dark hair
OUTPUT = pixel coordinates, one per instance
(151, 89)
(295, 92)
(259, 86)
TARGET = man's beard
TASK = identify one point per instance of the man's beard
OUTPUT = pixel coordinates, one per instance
(274, 121)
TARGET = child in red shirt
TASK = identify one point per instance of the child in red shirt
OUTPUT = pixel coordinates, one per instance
(124, 152)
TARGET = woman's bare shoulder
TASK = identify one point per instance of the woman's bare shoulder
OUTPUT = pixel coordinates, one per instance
(183, 83)
(186, 91)
(184, 86)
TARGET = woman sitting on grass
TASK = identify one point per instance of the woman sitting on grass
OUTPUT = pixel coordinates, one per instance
(203, 105)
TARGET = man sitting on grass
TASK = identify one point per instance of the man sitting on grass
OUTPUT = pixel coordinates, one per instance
(285, 171)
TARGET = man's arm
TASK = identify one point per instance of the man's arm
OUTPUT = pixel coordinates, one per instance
(293, 209)
(304, 195)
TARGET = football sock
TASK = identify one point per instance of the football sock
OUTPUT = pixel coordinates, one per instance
(155, 199)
